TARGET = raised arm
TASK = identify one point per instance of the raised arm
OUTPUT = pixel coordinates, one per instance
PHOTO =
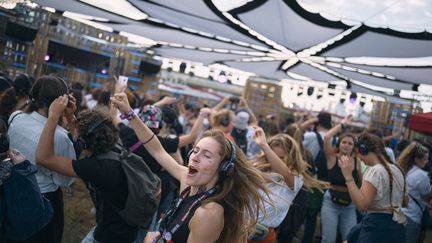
(149, 139)
(166, 101)
(277, 165)
(308, 123)
(221, 104)
(193, 134)
(45, 155)
(253, 120)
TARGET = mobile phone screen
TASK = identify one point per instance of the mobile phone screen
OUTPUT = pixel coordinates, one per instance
(123, 80)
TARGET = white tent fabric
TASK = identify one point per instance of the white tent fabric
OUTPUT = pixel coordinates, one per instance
(377, 47)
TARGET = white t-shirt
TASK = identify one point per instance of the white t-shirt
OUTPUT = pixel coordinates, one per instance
(310, 142)
(24, 133)
(281, 196)
(379, 178)
(418, 185)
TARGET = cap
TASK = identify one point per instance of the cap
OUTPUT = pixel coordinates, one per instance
(151, 115)
(242, 120)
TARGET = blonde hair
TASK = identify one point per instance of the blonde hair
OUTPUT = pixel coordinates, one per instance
(238, 194)
(296, 133)
(222, 118)
(293, 159)
(407, 158)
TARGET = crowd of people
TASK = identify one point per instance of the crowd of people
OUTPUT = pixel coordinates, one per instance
(225, 175)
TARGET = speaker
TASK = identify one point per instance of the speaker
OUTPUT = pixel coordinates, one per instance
(20, 32)
(150, 66)
(182, 67)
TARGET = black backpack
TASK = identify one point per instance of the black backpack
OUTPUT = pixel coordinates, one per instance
(144, 187)
(321, 160)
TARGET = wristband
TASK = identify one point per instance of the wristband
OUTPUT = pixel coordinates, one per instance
(203, 114)
(128, 116)
(343, 126)
(349, 180)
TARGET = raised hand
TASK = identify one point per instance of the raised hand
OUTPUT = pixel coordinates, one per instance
(346, 165)
(259, 137)
(121, 102)
(70, 108)
(58, 106)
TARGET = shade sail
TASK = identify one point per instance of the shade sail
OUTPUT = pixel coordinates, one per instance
(421, 122)
(379, 47)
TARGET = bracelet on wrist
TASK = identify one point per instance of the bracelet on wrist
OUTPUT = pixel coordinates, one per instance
(128, 116)
(203, 114)
(349, 180)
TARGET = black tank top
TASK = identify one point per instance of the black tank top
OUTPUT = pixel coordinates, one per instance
(336, 177)
(175, 226)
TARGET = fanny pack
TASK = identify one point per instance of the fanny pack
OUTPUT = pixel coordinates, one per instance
(340, 198)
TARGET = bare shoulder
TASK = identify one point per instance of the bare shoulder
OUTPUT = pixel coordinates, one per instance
(207, 223)
(211, 210)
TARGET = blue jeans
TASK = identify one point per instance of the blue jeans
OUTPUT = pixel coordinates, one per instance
(336, 217)
(412, 231)
(377, 227)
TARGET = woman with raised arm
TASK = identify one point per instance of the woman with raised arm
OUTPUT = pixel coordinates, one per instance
(382, 194)
(219, 189)
(412, 160)
(337, 211)
(282, 161)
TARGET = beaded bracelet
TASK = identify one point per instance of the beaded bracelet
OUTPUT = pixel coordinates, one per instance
(128, 116)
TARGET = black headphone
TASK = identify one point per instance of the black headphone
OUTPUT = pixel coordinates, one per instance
(64, 83)
(82, 138)
(363, 149)
(4, 141)
(226, 168)
(226, 119)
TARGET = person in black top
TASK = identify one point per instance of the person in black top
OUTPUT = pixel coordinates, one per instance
(218, 188)
(338, 212)
(105, 178)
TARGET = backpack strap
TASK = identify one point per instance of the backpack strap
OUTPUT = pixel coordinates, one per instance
(320, 140)
(12, 118)
(415, 200)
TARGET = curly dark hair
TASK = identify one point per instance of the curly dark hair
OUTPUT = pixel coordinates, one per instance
(104, 137)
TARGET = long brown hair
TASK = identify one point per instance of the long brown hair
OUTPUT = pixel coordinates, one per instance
(293, 160)
(376, 145)
(407, 158)
(238, 194)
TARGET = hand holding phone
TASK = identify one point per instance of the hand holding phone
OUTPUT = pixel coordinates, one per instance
(122, 81)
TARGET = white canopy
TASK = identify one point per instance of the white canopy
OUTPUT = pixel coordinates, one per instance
(377, 47)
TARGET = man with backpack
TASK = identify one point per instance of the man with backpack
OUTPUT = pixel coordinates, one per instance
(125, 192)
(313, 141)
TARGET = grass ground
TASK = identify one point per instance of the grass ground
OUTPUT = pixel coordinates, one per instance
(78, 219)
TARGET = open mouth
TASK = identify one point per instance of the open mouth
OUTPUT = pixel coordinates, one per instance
(192, 170)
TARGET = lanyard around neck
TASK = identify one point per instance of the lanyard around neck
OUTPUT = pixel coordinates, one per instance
(168, 233)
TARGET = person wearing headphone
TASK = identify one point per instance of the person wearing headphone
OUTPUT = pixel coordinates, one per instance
(219, 189)
(338, 212)
(104, 177)
(24, 131)
(382, 194)
(17, 96)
